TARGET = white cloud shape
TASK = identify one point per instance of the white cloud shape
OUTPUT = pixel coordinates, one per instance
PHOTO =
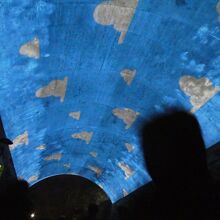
(128, 116)
(75, 115)
(128, 172)
(84, 136)
(55, 88)
(128, 75)
(118, 13)
(31, 49)
(199, 90)
(129, 147)
(20, 140)
(96, 170)
(33, 178)
(55, 156)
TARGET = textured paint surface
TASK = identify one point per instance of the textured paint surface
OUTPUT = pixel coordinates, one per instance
(79, 77)
(129, 147)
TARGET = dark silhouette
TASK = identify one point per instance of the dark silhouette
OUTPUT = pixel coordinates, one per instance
(14, 201)
(175, 157)
(92, 212)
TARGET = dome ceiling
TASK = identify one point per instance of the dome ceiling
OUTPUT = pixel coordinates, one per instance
(79, 77)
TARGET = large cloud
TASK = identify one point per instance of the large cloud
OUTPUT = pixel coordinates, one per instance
(199, 90)
(118, 13)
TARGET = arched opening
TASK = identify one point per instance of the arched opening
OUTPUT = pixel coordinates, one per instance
(68, 197)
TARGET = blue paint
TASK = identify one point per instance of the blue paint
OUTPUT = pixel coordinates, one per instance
(165, 41)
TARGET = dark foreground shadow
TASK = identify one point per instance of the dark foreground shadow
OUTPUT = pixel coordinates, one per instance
(175, 157)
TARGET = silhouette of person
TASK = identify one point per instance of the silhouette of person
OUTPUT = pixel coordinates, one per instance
(175, 158)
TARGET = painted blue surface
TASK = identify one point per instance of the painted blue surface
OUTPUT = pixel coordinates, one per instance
(165, 40)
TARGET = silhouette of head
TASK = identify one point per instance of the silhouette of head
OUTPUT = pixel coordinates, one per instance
(174, 149)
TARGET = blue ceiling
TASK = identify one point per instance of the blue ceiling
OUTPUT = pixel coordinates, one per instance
(79, 76)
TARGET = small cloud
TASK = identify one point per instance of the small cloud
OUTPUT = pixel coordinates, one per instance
(41, 147)
(93, 154)
(67, 165)
(85, 136)
(75, 115)
(20, 140)
(117, 13)
(128, 172)
(33, 178)
(125, 193)
(31, 49)
(96, 170)
(129, 147)
(199, 90)
(56, 156)
(55, 88)
(128, 75)
(127, 115)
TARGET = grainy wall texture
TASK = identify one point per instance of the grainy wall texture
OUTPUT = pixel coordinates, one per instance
(79, 76)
